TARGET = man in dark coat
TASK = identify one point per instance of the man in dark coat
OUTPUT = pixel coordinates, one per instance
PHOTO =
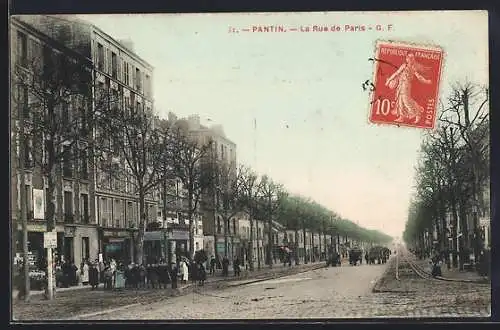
(173, 275)
(93, 276)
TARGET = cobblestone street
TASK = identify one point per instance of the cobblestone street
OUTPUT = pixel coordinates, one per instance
(344, 292)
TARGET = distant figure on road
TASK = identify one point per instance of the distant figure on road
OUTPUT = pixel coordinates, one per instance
(225, 266)
(212, 265)
(236, 266)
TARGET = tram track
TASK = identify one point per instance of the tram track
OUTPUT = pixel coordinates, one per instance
(421, 272)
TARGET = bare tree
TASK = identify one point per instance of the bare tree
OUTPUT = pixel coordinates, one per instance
(55, 92)
(250, 196)
(228, 194)
(192, 165)
(468, 111)
(129, 149)
(271, 197)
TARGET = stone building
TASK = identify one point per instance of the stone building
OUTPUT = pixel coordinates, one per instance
(120, 72)
(35, 53)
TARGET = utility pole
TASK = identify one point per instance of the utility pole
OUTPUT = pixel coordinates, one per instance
(22, 195)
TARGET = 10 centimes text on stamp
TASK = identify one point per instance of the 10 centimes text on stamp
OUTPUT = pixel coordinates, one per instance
(406, 84)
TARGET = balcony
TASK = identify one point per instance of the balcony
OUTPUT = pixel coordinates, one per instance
(68, 218)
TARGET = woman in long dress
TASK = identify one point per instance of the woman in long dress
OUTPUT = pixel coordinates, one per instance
(85, 273)
(401, 80)
(185, 271)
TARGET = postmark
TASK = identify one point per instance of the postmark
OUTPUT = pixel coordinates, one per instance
(405, 84)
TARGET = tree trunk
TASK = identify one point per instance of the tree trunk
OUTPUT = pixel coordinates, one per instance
(250, 252)
(226, 241)
(304, 236)
(270, 243)
(139, 244)
(190, 216)
(454, 232)
(296, 247)
(26, 285)
(258, 245)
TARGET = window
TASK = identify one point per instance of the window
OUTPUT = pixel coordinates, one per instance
(126, 78)
(84, 167)
(117, 213)
(67, 167)
(103, 212)
(147, 86)
(100, 57)
(219, 227)
(114, 65)
(138, 107)
(107, 61)
(29, 204)
(130, 214)
(228, 224)
(68, 207)
(234, 226)
(126, 102)
(85, 248)
(84, 208)
(22, 49)
(22, 102)
(28, 152)
(48, 61)
(138, 80)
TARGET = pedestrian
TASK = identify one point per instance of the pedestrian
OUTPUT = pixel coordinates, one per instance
(212, 265)
(94, 276)
(184, 271)
(84, 272)
(202, 274)
(236, 266)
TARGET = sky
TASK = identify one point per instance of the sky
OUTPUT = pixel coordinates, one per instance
(303, 90)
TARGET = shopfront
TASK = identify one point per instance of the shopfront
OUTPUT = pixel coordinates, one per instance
(155, 246)
(37, 253)
(116, 244)
(181, 239)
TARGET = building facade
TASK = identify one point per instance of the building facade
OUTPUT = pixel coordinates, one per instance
(118, 71)
(75, 220)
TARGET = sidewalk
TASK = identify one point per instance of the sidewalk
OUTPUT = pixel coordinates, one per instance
(245, 274)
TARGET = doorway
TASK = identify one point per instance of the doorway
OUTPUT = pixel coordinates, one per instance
(68, 249)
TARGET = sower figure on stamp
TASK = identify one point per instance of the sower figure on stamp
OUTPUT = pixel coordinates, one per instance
(401, 80)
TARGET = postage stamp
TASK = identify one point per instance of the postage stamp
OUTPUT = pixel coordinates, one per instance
(406, 84)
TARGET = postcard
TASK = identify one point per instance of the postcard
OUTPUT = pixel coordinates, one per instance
(236, 166)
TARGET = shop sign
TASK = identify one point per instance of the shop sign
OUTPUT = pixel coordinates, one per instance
(40, 228)
(179, 235)
(220, 247)
(110, 233)
(116, 240)
(153, 236)
(50, 240)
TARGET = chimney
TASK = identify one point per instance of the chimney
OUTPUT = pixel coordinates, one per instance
(127, 43)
